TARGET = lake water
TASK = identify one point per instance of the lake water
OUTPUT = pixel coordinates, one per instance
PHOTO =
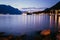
(23, 24)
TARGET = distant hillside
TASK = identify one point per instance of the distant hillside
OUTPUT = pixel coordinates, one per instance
(6, 9)
(56, 6)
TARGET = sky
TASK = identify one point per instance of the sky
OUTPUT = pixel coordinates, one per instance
(29, 3)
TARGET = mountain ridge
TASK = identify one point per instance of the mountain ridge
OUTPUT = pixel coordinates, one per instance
(7, 9)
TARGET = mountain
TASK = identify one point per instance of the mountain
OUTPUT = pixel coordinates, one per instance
(47, 10)
(56, 6)
(6, 9)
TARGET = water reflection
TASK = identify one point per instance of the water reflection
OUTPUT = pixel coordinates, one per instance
(55, 22)
(19, 24)
(59, 22)
(52, 21)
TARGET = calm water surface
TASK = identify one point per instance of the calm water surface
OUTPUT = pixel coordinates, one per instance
(20, 24)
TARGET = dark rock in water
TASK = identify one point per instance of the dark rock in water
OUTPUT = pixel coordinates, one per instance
(2, 32)
(6, 9)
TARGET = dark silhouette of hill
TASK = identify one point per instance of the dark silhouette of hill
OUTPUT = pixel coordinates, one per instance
(46, 10)
(6, 9)
(54, 7)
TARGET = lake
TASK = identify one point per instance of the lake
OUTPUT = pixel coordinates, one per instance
(23, 24)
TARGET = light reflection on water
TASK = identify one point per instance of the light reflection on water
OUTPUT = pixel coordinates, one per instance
(59, 22)
(17, 24)
(53, 23)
